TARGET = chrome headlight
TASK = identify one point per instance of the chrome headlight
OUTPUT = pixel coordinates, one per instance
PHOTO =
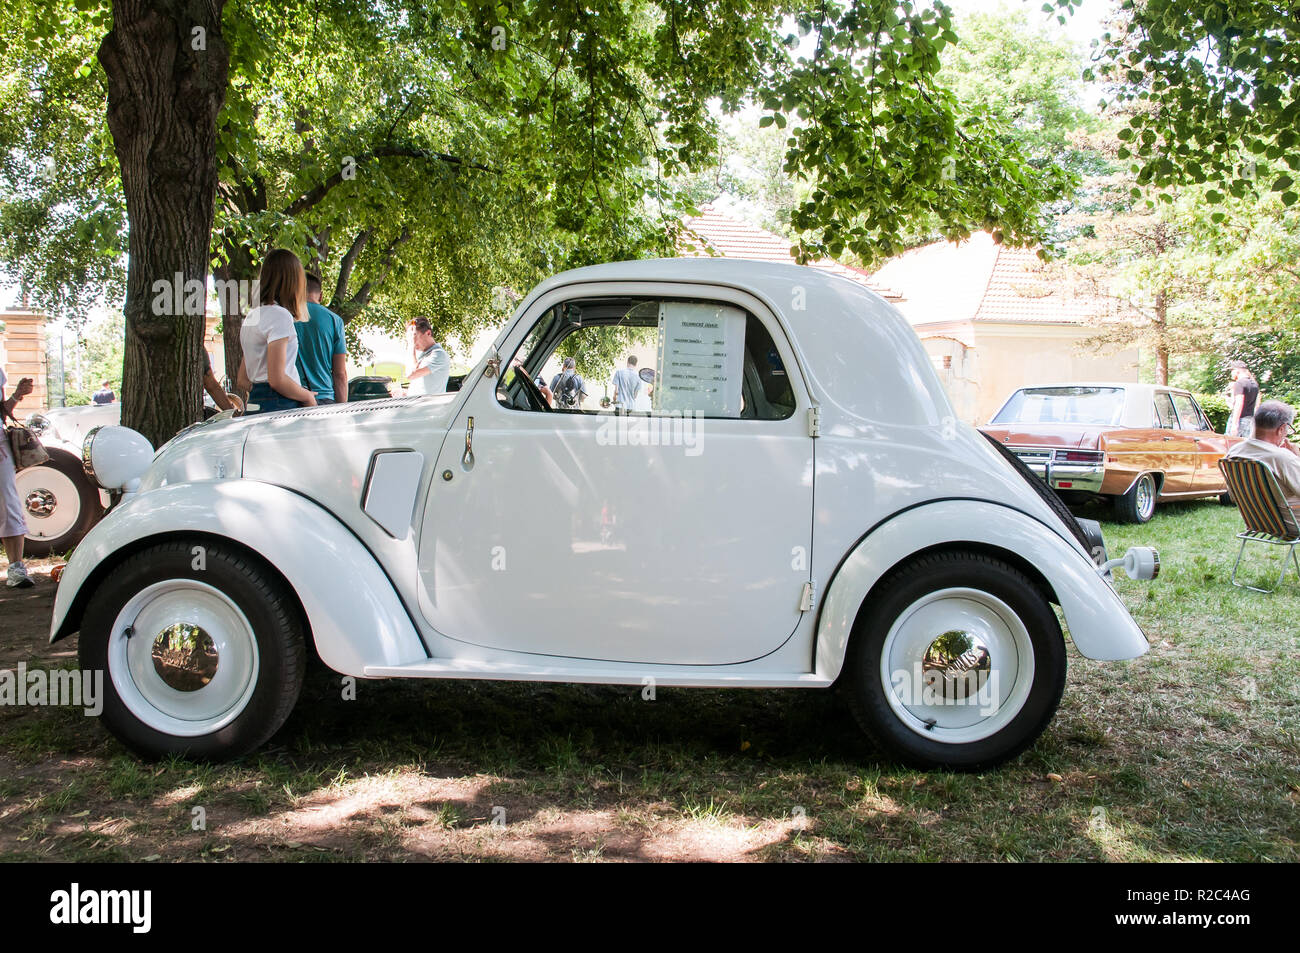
(37, 424)
(116, 457)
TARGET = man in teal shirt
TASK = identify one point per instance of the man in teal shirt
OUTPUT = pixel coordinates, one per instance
(322, 353)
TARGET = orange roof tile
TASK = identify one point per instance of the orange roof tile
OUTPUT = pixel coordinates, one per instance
(979, 280)
(1019, 289)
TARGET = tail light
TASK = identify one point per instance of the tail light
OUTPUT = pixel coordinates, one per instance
(1079, 456)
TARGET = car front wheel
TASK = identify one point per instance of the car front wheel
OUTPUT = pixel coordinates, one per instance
(958, 663)
(1138, 505)
(201, 648)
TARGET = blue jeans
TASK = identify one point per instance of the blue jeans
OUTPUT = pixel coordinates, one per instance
(268, 400)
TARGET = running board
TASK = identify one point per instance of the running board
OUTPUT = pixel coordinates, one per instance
(711, 677)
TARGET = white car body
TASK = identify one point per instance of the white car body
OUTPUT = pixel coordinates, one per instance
(68, 426)
(420, 547)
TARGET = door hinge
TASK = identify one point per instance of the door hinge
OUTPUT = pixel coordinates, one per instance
(814, 421)
(808, 597)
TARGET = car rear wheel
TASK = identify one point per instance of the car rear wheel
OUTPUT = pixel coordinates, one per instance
(201, 647)
(60, 504)
(959, 663)
(1138, 505)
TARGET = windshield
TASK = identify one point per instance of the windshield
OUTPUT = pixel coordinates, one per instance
(1063, 405)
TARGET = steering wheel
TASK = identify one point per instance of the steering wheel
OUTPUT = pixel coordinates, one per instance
(533, 393)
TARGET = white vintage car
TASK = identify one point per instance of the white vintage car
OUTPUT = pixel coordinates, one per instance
(798, 510)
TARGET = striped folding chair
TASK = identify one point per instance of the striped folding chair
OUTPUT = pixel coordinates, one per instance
(1268, 517)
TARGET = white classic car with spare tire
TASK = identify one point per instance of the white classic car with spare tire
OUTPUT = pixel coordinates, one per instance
(60, 500)
(798, 509)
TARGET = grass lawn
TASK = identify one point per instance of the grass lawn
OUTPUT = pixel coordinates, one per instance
(1189, 753)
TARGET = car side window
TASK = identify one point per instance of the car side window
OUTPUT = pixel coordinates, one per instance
(1165, 416)
(1189, 417)
(693, 357)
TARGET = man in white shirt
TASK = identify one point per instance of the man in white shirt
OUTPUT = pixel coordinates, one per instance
(1273, 420)
(432, 365)
(626, 385)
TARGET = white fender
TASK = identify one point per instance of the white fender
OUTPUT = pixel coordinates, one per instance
(1099, 623)
(355, 615)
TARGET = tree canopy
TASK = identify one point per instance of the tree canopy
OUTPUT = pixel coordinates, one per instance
(1210, 87)
(422, 157)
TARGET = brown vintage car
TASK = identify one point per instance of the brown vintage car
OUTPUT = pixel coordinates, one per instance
(1134, 444)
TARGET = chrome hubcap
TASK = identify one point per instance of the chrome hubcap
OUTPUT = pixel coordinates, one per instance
(1146, 496)
(183, 657)
(957, 665)
(41, 502)
(50, 501)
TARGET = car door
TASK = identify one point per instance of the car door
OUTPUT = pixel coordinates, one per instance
(678, 536)
(1179, 456)
(1210, 446)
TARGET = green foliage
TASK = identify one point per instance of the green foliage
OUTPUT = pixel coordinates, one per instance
(885, 143)
(62, 214)
(596, 350)
(1208, 87)
(422, 156)
(1216, 409)
(1028, 77)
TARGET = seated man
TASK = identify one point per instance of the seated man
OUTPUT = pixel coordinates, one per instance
(1273, 420)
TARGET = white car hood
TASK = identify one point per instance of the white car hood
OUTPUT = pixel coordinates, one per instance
(298, 448)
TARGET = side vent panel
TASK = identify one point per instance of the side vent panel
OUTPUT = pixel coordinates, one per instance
(392, 485)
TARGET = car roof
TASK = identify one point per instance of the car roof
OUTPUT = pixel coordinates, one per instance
(1134, 386)
(857, 351)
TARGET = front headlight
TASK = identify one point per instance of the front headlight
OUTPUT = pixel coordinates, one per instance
(37, 424)
(116, 457)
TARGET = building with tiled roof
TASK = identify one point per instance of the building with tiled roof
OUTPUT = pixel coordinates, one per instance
(715, 233)
(994, 319)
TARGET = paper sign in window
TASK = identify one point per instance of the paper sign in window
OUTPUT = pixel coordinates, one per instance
(701, 358)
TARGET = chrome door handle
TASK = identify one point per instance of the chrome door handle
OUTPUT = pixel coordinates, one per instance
(468, 457)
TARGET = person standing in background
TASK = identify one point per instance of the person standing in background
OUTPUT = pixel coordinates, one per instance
(1243, 393)
(269, 372)
(13, 523)
(104, 395)
(626, 386)
(569, 388)
(322, 351)
(432, 365)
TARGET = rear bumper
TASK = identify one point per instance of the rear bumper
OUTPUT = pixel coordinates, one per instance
(1081, 477)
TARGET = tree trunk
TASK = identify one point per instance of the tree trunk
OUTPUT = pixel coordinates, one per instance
(167, 67)
(1162, 343)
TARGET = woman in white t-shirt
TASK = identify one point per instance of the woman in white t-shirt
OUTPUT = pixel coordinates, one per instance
(269, 372)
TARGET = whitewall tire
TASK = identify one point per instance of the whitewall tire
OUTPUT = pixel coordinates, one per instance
(202, 649)
(958, 661)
